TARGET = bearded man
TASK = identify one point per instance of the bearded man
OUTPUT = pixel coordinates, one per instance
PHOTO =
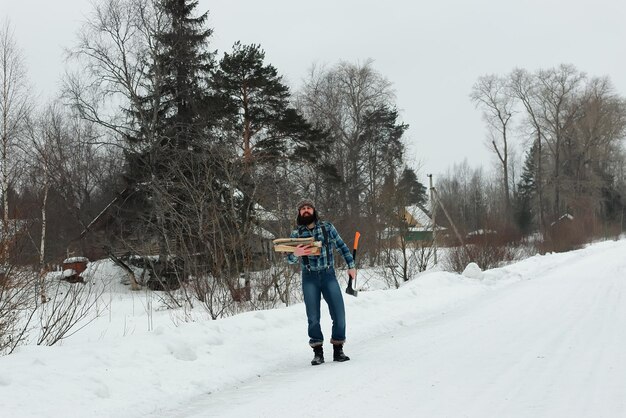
(319, 279)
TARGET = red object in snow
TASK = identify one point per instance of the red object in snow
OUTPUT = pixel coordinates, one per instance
(73, 267)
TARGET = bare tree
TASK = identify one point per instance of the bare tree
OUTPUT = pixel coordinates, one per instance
(491, 94)
(576, 124)
(593, 143)
(40, 170)
(558, 89)
(115, 48)
(522, 85)
(15, 106)
(64, 155)
(465, 192)
(339, 99)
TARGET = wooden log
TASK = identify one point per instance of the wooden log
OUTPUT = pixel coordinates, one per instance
(280, 248)
(297, 241)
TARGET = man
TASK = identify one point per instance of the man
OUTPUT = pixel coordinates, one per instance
(319, 279)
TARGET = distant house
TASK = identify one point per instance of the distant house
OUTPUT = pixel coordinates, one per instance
(419, 225)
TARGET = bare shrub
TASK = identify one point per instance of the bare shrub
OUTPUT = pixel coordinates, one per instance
(567, 234)
(488, 250)
(17, 307)
(402, 261)
(393, 270)
(423, 255)
(276, 285)
(212, 294)
(70, 307)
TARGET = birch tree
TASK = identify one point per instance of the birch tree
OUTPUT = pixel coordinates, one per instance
(15, 106)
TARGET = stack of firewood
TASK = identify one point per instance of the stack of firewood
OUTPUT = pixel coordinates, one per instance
(288, 245)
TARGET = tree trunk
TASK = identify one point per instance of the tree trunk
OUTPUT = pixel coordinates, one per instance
(5, 197)
(42, 245)
(539, 181)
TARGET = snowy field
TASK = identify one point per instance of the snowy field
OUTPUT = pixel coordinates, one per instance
(544, 337)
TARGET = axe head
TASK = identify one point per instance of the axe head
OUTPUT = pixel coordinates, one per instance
(350, 290)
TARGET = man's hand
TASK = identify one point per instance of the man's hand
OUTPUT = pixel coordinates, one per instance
(302, 250)
(352, 273)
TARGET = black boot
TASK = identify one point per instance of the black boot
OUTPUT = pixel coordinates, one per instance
(319, 355)
(338, 354)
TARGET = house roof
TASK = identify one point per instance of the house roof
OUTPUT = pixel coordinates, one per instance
(417, 216)
(263, 214)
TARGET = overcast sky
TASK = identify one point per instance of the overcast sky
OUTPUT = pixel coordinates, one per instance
(432, 53)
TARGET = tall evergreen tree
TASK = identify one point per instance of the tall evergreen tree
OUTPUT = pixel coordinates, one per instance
(179, 106)
(173, 149)
(526, 192)
(380, 155)
(179, 75)
(260, 119)
(413, 190)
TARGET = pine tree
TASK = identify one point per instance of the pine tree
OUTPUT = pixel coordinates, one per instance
(259, 113)
(264, 128)
(181, 70)
(176, 151)
(412, 189)
(527, 189)
(379, 154)
(178, 101)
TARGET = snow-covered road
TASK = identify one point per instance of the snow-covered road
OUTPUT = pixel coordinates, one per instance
(551, 346)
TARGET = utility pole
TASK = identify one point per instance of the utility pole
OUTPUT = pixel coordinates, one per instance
(432, 212)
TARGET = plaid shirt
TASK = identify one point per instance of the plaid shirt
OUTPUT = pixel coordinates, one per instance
(325, 259)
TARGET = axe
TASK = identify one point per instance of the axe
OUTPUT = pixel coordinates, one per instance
(350, 290)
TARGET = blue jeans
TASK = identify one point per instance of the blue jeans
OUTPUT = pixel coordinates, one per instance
(316, 284)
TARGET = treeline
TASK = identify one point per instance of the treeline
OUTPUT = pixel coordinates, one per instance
(158, 144)
(570, 128)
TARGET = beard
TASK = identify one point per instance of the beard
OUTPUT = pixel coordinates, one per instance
(307, 219)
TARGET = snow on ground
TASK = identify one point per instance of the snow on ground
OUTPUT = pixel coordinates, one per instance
(540, 338)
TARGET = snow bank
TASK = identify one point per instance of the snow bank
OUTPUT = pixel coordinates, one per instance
(120, 367)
